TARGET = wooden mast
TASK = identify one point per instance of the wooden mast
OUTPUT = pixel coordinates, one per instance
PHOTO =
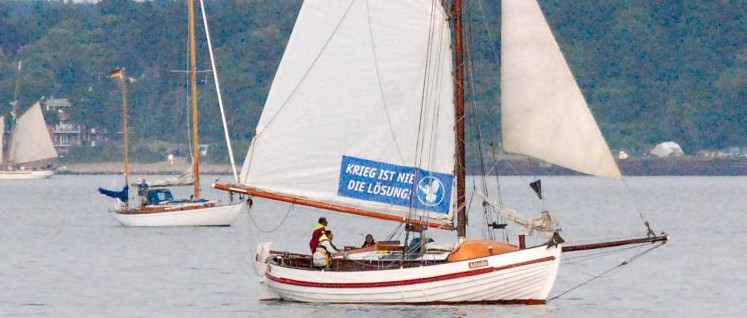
(193, 87)
(456, 10)
(125, 130)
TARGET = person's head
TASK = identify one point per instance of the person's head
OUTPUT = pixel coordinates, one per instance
(327, 236)
(369, 238)
(323, 221)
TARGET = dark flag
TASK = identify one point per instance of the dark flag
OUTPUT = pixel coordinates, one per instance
(537, 187)
(121, 195)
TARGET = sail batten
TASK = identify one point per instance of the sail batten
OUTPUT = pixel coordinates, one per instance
(360, 112)
(30, 141)
(544, 113)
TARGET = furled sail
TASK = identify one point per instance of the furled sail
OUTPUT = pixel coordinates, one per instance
(544, 114)
(545, 224)
(360, 112)
(187, 177)
(31, 141)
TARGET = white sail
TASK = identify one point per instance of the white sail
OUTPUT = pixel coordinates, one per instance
(544, 114)
(187, 177)
(2, 138)
(31, 141)
(361, 99)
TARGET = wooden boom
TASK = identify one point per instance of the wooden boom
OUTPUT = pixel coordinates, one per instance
(327, 206)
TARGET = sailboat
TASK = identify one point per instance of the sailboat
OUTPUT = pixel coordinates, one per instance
(30, 151)
(365, 116)
(157, 206)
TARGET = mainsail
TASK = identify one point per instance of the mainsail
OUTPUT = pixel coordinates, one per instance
(544, 114)
(30, 141)
(360, 112)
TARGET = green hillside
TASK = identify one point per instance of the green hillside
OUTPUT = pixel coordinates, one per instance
(650, 70)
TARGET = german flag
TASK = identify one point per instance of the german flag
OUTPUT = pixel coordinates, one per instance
(118, 73)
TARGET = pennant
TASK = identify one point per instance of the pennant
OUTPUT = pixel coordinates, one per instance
(118, 73)
(537, 187)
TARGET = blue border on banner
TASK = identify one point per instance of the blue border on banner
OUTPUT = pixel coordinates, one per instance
(393, 184)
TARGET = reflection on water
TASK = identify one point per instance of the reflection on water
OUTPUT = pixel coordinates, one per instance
(62, 255)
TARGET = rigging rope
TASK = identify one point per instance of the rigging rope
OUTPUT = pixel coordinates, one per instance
(381, 87)
(429, 109)
(287, 213)
(593, 278)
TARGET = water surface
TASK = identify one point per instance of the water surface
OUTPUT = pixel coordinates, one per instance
(63, 255)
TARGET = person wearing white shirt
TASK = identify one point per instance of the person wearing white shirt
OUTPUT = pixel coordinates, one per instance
(324, 250)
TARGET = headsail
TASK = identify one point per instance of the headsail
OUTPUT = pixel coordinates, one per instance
(544, 114)
(31, 141)
(361, 112)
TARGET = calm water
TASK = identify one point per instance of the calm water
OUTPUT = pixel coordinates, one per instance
(63, 255)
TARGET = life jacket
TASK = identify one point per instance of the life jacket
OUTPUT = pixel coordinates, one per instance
(319, 230)
(321, 256)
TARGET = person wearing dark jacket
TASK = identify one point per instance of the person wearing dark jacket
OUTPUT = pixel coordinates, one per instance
(369, 241)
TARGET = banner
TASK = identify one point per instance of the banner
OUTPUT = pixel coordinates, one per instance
(393, 184)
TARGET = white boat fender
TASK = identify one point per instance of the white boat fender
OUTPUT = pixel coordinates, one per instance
(260, 258)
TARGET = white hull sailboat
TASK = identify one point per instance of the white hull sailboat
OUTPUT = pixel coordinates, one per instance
(184, 214)
(157, 207)
(521, 277)
(26, 175)
(365, 116)
(30, 151)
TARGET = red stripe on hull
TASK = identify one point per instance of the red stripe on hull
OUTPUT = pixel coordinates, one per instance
(528, 302)
(407, 281)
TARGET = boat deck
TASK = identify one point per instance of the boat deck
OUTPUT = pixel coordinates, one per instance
(170, 207)
(390, 257)
(298, 261)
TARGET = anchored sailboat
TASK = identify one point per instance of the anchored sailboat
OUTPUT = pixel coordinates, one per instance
(157, 206)
(365, 116)
(30, 151)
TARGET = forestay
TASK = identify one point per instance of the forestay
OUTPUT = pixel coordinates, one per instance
(544, 114)
(31, 141)
(360, 112)
(2, 138)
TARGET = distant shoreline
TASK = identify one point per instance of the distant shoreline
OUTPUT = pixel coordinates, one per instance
(157, 168)
(685, 166)
(650, 166)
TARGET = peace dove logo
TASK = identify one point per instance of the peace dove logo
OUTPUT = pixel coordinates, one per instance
(430, 191)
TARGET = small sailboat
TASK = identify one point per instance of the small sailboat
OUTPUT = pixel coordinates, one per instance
(157, 206)
(365, 116)
(30, 151)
